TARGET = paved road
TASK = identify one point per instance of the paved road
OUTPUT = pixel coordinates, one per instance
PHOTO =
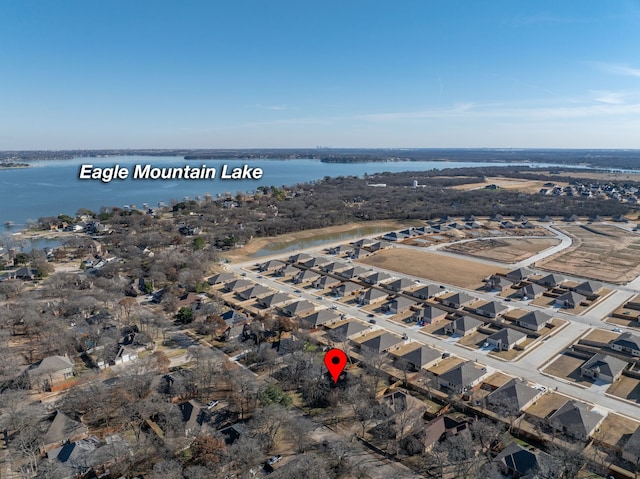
(526, 367)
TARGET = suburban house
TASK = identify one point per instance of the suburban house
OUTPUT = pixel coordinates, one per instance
(457, 300)
(498, 283)
(354, 272)
(297, 308)
(569, 300)
(574, 419)
(349, 330)
(399, 401)
(346, 289)
(371, 296)
(194, 416)
(363, 243)
(492, 309)
(422, 357)
(552, 280)
(462, 377)
(516, 461)
(254, 292)
(378, 245)
(533, 320)
(238, 285)
(322, 317)
(603, 367)
(235, 323)
(626, 343)
(62, 429)
(506, 338)
(299, 258)
(342, 249)
(50, 372)
(463, 326)
(427, 292)
(288, 270)
(375, 278)
(400, 285)
(531, 291)
(315, 262)
(394, 236)
(274, 300)
(519, 274)
(435, 429)
(221, 278)
(589, 288)
(306, 276)
(381, 344)
(335, 266)
(398, 305)
(324, 282)
(429, 315)
(272, 265)
(512, 397)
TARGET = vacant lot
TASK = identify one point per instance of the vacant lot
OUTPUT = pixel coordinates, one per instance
(626, 388)
(507, 250)
(518, 184)
(615, 430)
(568, 367)
(546, 405)
(602, 252)
(438, 268)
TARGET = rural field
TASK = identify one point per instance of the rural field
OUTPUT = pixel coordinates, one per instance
(600, 251)
(518, 184)
(506, 250)
(432, 266)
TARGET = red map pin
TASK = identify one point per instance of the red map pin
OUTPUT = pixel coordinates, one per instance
(335, 360)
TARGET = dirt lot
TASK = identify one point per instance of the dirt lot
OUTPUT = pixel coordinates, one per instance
(509, 250)
(518, 184)
(601, 335)
(446, 364)
(546, 405)
(435, 267)
(626, 388)
(615, 430)
(568, 367)
(600, 251)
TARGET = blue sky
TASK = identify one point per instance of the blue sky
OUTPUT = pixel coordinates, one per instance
(349, 73)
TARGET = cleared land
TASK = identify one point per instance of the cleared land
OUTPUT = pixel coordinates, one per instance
(506, 250)
(435, 267)
(518, 184)
(615, 430)
(601, 252)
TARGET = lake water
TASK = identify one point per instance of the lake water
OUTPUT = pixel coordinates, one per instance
(50, 188)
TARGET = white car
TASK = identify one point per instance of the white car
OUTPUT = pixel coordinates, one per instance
(273, 459)
(212, 404)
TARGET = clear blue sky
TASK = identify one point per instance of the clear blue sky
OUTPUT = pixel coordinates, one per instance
(348, 73)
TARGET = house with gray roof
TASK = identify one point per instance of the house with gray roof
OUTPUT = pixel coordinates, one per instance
(271, 265)
(534, 320)
(574, 419)
(421, 357)
(335, 266)
(371, 296)
(531, 291)
(394, 236)
(320, 318)
(513, 396)
(552, 280)
(297, 308)
(238, 285)
(429, 314)
(324, 282)
(50, 372)
(631, 450)
(274, 299)
(491, 309)
(254, 292)
(463, 326)
(349, 330)
(626, 343)
(299, 258)
(506, 339)
(288, 270)
(221, 278)
(519, 274)
(589, 288)
(376, 277)
(462, 377)
(498, 283)
(400, 284)
(363, 243)
(346, 289)
(398, 305)
(516, 461)
(315, 262)
(306, 276)
(569, 300)
(61, 428)
(342, 249)
(603, 367)
(428, 291)
(457, 300)
(378, 245)
(381, 344)
(354, 272)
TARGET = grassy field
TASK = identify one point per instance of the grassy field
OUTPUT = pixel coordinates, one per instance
(432, 266)
(510, 250)
(600, 251)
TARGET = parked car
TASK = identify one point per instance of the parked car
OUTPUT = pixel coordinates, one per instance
(273, 459)
(212, 404)
(372, 321)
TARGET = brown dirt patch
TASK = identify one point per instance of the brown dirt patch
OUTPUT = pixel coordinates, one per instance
(505, 250)
(615, 430)
(432, 266)
(518, 184)
(600, 251)
(626, 388)
(546, 405)
(567, 367)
